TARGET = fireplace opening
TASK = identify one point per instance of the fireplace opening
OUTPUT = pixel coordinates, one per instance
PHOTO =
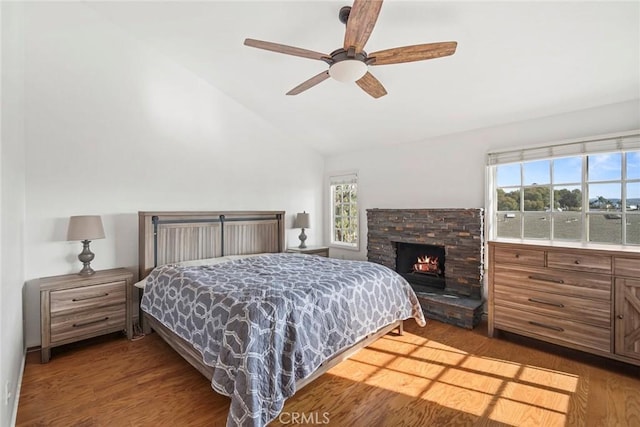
(421, 265)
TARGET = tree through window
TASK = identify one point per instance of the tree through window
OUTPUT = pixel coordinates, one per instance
(344, 210)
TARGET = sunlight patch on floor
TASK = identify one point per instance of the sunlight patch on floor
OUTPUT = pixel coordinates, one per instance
(411, 380)
(428, 350)
(500, 390)
(523, 414)
(550, 378)
(459, 397)
(407, 337)
(417, 341)
(469, 380)
(542, 397)
(491, 366)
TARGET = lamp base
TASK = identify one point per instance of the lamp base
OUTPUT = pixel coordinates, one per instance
(87, 271)
(85, 257)
(302, 238)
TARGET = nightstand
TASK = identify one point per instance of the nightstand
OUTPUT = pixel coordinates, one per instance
(74, 307)
(311, 250)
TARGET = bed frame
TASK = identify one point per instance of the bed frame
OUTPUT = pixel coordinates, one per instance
(166, 237)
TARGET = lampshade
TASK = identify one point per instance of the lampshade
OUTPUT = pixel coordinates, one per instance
(85, 227)
(348, 70)
(302, 220)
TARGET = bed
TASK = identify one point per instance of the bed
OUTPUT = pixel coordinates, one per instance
(258, 322)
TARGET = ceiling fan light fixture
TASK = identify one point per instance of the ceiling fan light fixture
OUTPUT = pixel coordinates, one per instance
(348, 71)
(350, 62)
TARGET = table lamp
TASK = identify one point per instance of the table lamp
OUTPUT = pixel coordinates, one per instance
(302, 221)
(85, 228)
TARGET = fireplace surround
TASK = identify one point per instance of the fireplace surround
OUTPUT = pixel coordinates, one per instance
(455, 296)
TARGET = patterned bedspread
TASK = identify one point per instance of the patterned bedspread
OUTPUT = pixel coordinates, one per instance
(265, 322)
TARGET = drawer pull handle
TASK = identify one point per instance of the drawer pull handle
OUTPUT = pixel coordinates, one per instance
(540, 301)
(517, 255)
(547, 279)
(576, 262)
(542, 325)
(90, 322)
(106, 294)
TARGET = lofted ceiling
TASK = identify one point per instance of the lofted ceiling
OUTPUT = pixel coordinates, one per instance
(515, 61)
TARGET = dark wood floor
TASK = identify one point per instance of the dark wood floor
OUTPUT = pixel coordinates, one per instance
(433, 376)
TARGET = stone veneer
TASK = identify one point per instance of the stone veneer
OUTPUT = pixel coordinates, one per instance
(460, 231)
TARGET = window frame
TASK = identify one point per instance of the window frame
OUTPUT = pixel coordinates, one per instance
(343, 178)
(624, 144)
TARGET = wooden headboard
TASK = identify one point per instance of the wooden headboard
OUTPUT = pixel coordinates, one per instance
(166, 237)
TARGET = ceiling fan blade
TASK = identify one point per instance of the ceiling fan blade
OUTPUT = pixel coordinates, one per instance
(417, 52)
(308, 84)
(289, 50)
(371, 85)
(362, 19)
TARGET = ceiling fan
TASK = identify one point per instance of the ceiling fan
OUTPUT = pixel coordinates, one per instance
(350, 63)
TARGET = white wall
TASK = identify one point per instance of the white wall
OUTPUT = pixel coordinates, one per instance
(113, 127)
(12, 208)
(448, 172)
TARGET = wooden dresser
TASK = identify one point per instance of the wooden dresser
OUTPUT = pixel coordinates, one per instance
(74, 308)
(586, 299)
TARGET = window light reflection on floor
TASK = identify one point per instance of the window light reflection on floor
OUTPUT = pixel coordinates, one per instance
(489, 388)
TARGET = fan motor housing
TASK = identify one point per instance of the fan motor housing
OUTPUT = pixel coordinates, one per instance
(343, 15)
(342, 54)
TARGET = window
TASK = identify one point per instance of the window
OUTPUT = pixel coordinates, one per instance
(592, 196)
(344, 210)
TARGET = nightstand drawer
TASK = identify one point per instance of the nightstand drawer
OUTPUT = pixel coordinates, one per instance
(104, 319)
(87, 297)
(319, 252)
(311, 250)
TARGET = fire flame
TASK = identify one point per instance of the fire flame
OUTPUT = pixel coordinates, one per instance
(427, 260)
(426, 263)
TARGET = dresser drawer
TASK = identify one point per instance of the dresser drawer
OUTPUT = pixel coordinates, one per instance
(87, 297)
(558, 330)
(570, 308)
(94, 322)
(579, 262)
(585, 285)
(627, 267)
(518, 256)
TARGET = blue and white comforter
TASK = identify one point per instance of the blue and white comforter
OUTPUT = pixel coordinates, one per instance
(265, 322)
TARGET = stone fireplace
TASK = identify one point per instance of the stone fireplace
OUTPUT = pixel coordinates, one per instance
(439, 252)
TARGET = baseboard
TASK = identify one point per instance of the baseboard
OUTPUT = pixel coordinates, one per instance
(14, 414)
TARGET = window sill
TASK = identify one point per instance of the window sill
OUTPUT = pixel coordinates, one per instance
(569, 244)
(345, 247)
